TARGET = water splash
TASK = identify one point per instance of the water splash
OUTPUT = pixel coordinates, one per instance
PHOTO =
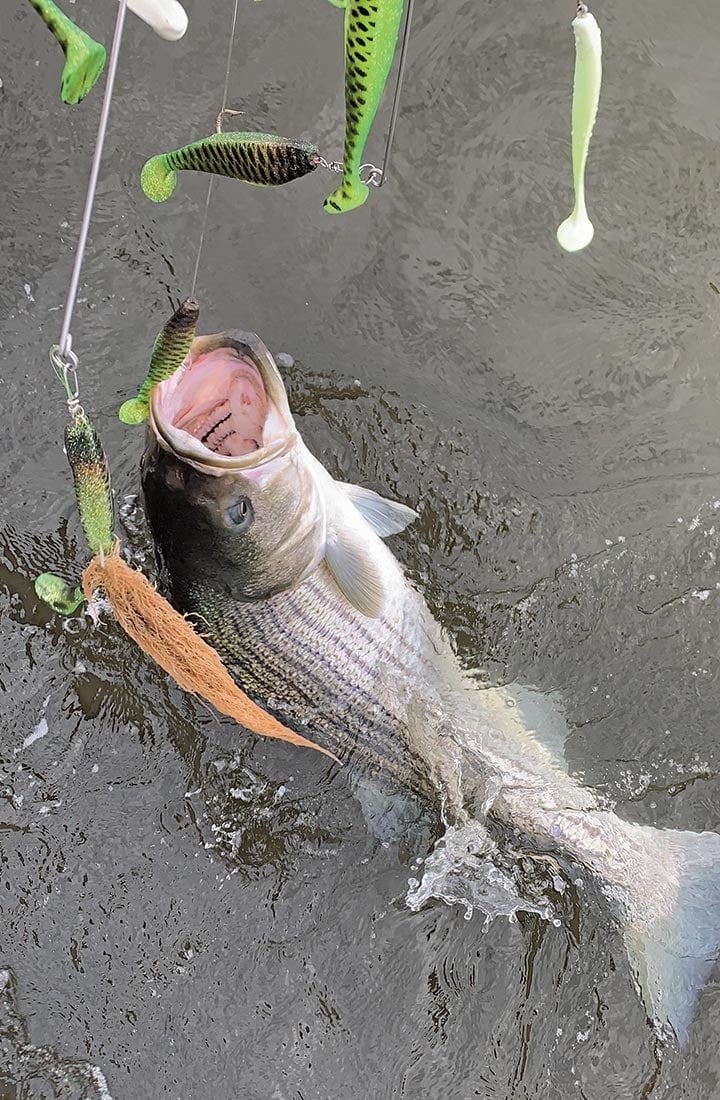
(72, 1078)
(461, 870)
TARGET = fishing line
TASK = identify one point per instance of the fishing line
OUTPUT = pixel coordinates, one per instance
(398, 88)
(203, 227)
(156, 627)
(63, 359)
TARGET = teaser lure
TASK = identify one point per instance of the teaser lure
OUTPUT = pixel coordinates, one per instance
(577, 231)
(166, 17)
(169, 351)
(84, 57)
(262, 159)
(371, 34)
(91, 476)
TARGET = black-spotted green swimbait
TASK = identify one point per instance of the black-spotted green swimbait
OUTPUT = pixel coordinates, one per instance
(371, 33)
(84, 57)
(262, 159)
(169, 351)
(91, 476)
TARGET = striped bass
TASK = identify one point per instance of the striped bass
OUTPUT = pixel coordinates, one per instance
(287, 574)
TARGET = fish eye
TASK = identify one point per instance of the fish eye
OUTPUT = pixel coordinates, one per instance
(240, 514)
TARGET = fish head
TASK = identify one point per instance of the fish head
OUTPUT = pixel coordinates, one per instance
(233, 495)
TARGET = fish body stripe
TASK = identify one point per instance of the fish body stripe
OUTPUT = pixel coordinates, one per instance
(304, 647)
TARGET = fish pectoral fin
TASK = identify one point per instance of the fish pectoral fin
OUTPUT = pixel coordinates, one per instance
(386, 517)
(355, 572)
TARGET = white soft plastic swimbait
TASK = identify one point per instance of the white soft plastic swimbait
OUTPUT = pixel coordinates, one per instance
(577, 231)
(166, 17)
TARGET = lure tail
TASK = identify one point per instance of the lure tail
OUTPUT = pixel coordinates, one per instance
(350, 194)
(58, 594)
(84, 57)
(157, 179)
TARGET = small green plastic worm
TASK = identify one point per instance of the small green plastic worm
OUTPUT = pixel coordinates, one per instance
(58, 594)
(91, 476)
(262, 159)
(169, 351)
(577, 231)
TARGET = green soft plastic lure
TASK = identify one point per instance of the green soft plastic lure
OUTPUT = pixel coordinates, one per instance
(58, 594)
(577, 231)
(84, 57)
(371, 34)
(263, 159)
(168, 353)
(91, 476)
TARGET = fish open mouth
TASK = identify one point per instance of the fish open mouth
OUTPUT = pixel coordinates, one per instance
(226, 407)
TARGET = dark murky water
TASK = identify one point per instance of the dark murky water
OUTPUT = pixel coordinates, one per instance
(200, 914)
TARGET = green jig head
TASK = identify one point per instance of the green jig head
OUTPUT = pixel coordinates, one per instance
(58, 594)
(91, 476)
(262, 159)
(169, 351)
(577, 231)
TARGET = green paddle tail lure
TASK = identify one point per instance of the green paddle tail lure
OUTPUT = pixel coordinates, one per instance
(168, 353)
(262, 159)
(577, 231)
(84, 57)
(58, 594)
(371, 34)
(91, 475)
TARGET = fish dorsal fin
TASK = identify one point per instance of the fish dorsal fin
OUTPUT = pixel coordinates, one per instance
(386, 517)
(355, 571)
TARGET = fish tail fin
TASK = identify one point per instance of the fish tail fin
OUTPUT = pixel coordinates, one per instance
(672, 915)
(157, 179)
(350, 194)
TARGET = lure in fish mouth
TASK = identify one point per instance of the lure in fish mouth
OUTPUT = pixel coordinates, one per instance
(259, 504)
(225, 403)
(289, 577)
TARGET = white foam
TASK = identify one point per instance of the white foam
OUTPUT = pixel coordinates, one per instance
(460, 871)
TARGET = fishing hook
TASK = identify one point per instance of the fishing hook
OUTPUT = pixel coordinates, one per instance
(225, 112)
